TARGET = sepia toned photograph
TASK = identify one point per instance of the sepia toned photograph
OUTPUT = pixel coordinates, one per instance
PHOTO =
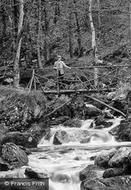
(65, 94)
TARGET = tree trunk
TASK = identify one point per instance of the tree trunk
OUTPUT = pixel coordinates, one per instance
(70, 29)
(99, 13)
(16, 12)
(4, 25)
(93, 43)
(130, 23)
(92, 29)
(57, 11)
(46, 52)
(78, 29)
(19, 40)
(29, 52)
(14, 24)
(70, 42)
(39, 35)
(4, 22)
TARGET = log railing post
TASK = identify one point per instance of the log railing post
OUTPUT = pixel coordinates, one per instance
(58, 84)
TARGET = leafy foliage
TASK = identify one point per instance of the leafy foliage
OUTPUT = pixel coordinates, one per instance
(19, 109)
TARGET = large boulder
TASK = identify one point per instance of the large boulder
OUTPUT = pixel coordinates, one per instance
(121, 157)
(113, 183)
(36, 173)
(90, 172)
(123, 131)
(14, 155)
(91, 111)
(22, 139)
(112, 172)
(103, 158)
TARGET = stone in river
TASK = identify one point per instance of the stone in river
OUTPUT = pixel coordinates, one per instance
(36, 173)
(112, 183)
(103, 158)
(121, 157)
(90, 172)
(92, 111)
(112, 172)
(56, 140)
(14, 155)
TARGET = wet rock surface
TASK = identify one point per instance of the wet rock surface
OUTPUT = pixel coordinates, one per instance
(112, 172)
(123, 132)
(113, 183)
(14, 155)
(117, 165)
(121, 157)
(56, 140)
(90, 172)
(36, 173)
(60, 137)
(18, 138)
(102, 160)
(91, 111)
(116, 162)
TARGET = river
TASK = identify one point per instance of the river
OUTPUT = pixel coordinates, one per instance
(64, 162)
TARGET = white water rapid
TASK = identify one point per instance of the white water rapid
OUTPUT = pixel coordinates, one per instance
(64, 162)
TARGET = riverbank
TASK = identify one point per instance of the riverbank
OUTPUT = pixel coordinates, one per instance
(115, 164)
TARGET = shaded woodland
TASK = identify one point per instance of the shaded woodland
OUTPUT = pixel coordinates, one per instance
(33, 32)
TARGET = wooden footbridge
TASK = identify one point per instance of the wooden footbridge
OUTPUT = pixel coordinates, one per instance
(91, 79)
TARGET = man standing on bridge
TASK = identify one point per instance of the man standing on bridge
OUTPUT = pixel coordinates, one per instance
(59, 65)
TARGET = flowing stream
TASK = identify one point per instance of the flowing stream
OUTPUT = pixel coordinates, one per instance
(64, 162)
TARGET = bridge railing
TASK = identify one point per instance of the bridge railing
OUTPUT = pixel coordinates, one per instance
(82, 78)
